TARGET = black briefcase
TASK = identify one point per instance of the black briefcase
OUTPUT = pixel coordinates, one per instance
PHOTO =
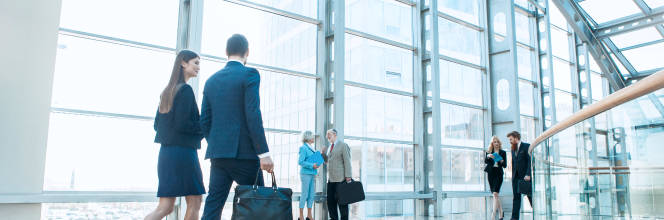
(525, 187)
(348, 193)
(259, 202)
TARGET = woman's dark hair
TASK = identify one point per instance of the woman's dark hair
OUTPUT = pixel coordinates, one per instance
(176, 81)
(237, 45)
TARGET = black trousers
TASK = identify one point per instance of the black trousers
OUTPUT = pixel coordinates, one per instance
(332, 203)
(223, 171)
(516, 202)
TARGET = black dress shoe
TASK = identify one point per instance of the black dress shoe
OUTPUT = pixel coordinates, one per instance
(308, 218)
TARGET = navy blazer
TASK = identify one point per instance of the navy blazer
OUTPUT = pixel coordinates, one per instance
(521, 162)
(179, 127)
(231, 119)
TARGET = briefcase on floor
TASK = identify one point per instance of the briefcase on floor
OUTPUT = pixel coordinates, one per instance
(348, 193)
(259, 202)
(525, 187)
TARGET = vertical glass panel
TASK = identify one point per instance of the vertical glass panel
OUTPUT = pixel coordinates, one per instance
(131, 210)
(594, 67)
(557, 18)
(601, 121)
(522, 23)
(467, 10)
(654, 3)
(383, 115)
(81, 147)
(462, 126)
(560, 43)
(499, 27)
(385, 168)
(291, 101)
(522, 3)
(596, 86)
(564, 105)
(87, 77)
(274, 44)
(459, 42)
(528, 129)
(524, 61)
(636, 37)
(466, 170)
(460, 83)
(562, 75)
(378, 64)
(101, 17)
(387, 19)
(446, 169)
(526, 99)
(302, 7)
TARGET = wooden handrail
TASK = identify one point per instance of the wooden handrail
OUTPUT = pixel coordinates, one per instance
(647, 85)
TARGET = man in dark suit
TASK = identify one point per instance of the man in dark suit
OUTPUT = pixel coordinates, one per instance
(233, 127)
(520, 170)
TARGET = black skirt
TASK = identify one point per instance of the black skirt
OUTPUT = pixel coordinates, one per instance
(179, 172)
(495, 179)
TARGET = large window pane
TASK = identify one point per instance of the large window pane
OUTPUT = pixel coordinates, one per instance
(526, 99)
(462, 126)
(376, 114)
(302, 7)
(378, 64)
(564, 105)
(524, 61)
(557, 18)
(467, 10)
(607, 10)
(284, 148)
(459, 42)
(560, 43)
(642, 58)
(385, 168)
(467, 170)
(273, 40)
(460, 83)
(132, 210)
(289, 101)
(88, 153)
(147, 21)
(596, 86)
(562, 75)
(104, 77)
(528, 129)
(522, 25)
(387, 19)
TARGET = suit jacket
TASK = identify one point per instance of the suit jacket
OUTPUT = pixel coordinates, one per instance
(231, 118)
(338, 162)
(179, 127)
(489, 162)
(521, 162)
(306, 167)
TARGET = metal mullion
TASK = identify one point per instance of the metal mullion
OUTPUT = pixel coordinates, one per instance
(454, 60)
(626, 25)
(107, 39)
(100, 114)
(525, 46)
(380, 39)
(524, 11)
(264, 67)
(560, 29)
(455, 147)
(322, 82)
(562, 60)
(542, 9)
(379, 140)
(612, 47)
(566, 92)
(459, 21)
(434, 138)
(275, 11)
(462, 104)
(282, 131)
(407, 2)
(641, 45)
(528, 81)
(530, 116)
(418, 103)
(381, 89)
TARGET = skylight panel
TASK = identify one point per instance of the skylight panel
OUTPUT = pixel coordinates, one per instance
(636, 37)
(646, 58)
(654, 3)
(602, 11)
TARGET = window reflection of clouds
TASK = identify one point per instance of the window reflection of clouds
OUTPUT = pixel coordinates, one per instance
(462, 126)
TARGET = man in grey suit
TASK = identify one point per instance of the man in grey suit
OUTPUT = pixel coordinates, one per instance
(339, 170)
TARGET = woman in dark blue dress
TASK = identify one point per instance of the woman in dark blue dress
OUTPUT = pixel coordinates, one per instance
(179, 133)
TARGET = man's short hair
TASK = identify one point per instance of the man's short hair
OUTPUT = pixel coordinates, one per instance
(237, 45)
(514, 134)
(334, 130)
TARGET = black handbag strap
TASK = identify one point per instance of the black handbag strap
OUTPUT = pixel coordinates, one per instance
(274, 180)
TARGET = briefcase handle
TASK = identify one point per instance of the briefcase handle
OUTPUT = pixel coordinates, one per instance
(274, 180)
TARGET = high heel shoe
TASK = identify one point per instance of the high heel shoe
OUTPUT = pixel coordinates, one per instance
(503, 216)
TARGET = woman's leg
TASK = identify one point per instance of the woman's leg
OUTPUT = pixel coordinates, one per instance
(193, 206)
(500, 208)
(496, 205)
(309, 213)
(304, 179)
(310, 199)
(165, 207)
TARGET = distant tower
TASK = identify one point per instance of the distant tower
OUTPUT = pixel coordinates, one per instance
(71, 185)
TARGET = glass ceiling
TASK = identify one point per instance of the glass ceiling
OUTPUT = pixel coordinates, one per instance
(641, 49)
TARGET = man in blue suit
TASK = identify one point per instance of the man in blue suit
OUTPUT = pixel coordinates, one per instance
(520, 170)
(233, 127)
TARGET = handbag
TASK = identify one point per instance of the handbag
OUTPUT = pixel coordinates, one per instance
(525, 187)
(259, 202)
(349, 192)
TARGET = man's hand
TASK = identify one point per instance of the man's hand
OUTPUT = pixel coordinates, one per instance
(491, 156)
(527, 178)
(266, 164)
(323, 150)
(348, 179)
(316, 166)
